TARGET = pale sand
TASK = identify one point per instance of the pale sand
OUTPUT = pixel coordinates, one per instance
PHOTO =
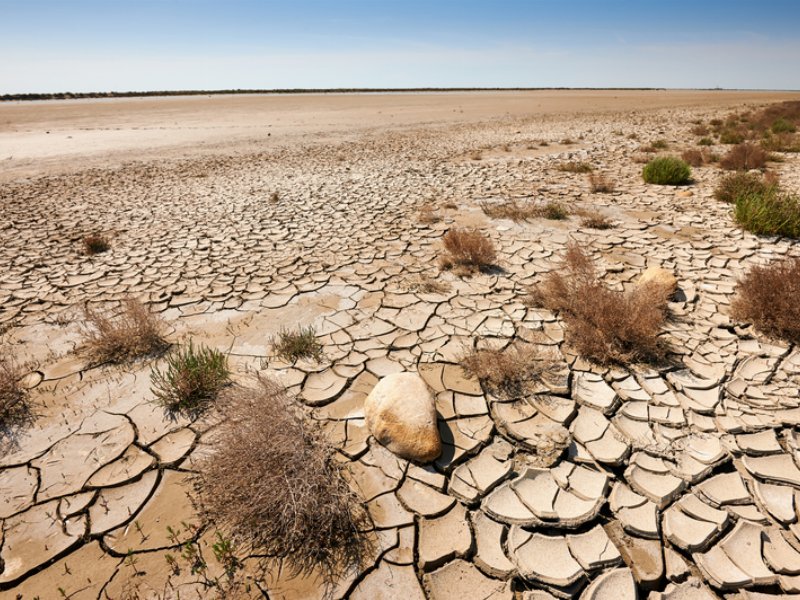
(44, 137)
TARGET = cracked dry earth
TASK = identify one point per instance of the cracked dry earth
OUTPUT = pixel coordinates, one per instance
(681, 482)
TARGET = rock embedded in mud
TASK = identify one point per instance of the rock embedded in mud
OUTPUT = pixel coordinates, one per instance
(401, 414)
(659, 276)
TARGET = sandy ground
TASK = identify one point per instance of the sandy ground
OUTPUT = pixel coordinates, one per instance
(682, 476)
(38, 138)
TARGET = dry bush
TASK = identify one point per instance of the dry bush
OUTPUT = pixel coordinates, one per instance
(292, 344)
(695, 158)
(734, 185)
(595, 220)
(767, 297)
(427, 285)
(602, 324)
(467, 251)
(427, 215)
(515, 211)
(95, 243)
(700, 130)
(507, 372)
(13, 397)
(133, 333)
(274, 486)
(567, 142)
(510, 209)
(744, 157)
(274, 198)
(476, 155)
(599, 183)
(553, 210)
(575, 167)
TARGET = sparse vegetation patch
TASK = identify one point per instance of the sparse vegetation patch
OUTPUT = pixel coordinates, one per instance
(467, 251)
(191, 378)
(744, 157)
(274, 485)
(507, 371)
(292, 344)
(13, 397)
(132, 333)
(667, 170)
(604, 325)
(95, 243)
(767, 296)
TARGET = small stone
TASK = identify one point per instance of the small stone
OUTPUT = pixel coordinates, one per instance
(401, 414)
(660, 277)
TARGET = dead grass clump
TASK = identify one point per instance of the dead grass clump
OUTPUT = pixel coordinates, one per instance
(95, 243)
(595, 220)
(467, 251)
(767, 297)
(274, 197)
(602, 324)
(292, 344)
(700, 130)
(274, 486)
(555, 211)
(428, 216)
(427, 285)
(695, 158)
(476, 155)
(599, 183)
(13, 396)
(744, 157)
(575, 167)
(510, 209)
(131, 334)
(506, 371)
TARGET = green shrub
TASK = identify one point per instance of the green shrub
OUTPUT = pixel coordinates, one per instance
(781, 125)
(731, 137)
(292, 344)
(667, 170)
(770, 212)
(191, 379)
(706, 142)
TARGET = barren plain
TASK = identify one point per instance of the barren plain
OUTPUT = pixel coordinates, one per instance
(236, 217)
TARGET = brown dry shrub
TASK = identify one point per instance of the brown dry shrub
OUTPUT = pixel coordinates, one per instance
(599, 183)
(467, 251)
(13, 397)
(133, 333)
(594, 220)
(605, 325)
(695, 158)
(575, 167)
(507, 371)
(426, 284)
(510, 209)
(768, 297)
(427, 215)
(744, 157)
(274, 486)
(95, 243)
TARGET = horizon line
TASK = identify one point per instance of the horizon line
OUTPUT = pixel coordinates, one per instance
(29, 96)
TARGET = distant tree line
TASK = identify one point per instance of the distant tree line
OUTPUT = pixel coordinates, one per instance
(81, 95)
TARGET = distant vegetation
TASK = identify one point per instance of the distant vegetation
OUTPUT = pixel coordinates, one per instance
(143, 94)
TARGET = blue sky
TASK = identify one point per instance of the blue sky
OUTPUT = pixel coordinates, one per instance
(99, 45)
